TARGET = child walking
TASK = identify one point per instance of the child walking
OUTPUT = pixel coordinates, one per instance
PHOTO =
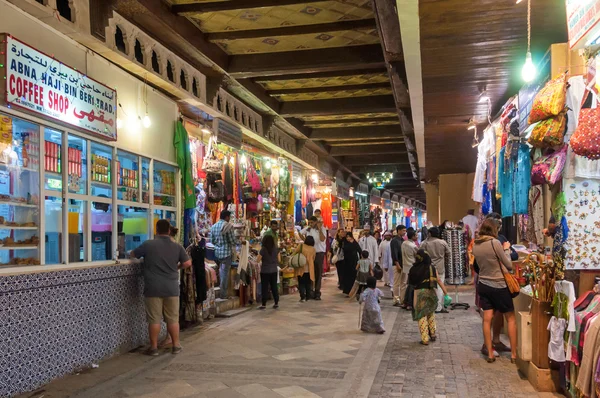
(365, 270)
(371, 316)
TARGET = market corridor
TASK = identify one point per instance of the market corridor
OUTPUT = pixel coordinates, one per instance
(308, 350)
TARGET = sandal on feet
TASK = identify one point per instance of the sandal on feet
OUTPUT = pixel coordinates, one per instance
(490, 360)
(433, 338)
(153, 352)
(424, 342)
(176, 350)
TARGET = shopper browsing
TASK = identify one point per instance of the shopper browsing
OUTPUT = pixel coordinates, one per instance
(438, 250)
(221, 236)
(494, 296)
(369, 243)
(269, 259)
(409, 252)
(317, 231)
(396, 251)
(371, 321)
(306, 274)
(163, 258)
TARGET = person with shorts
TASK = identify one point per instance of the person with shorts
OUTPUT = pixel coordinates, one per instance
(494, 296)
(163, 258)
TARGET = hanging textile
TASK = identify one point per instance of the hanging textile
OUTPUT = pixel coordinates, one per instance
(535, 221)
(486, 203)
(181, 142)
(298, 212)
(456, 262)
(326, 211)
(283, 184)
(514, 180)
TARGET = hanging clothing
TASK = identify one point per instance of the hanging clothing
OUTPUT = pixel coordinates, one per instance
(556, 346)
(298, 212)
(575, 92)
(483, 154)
(198, 254)
(309, 210)
(326, 211)
(181, 142)
(535, 221)
(514, 181)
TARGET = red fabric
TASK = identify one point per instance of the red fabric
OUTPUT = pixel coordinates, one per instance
(326, 211)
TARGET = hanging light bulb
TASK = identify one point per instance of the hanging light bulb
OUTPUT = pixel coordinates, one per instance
(146, 121)
(529, 70)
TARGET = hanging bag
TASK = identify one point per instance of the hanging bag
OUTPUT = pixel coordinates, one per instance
(549, 132)
(550, 100)
(211, 164)
(586, 139)
(548, 169)
(511, 282)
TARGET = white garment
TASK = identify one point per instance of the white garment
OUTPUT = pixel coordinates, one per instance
(483, 154)
(441, 276)
(369, 244)
(556, 346)
(568, 289)
(575, 94)
(472, 222)
(320, 246)
(385, 254)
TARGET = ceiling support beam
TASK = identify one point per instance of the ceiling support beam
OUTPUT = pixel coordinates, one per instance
(397, 170)
(339, 106)
(318, 75)
(329, 89)
(293, 30)
(373, 160)
(216, 6)
(306, 61)
(353, 133)
(387, 120)
(367, 150)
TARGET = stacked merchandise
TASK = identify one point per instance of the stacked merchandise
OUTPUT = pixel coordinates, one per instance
(100, 169)
(455, 263)
(52, 162)
(30, 150)
(128, 183)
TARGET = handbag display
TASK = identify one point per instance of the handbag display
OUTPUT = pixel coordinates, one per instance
(550, 100)
(548, 169)
(216, 191)
(211, 164)
(549, 132)
(511, 282)
(377, 272)
(298, 260)
(586, 139)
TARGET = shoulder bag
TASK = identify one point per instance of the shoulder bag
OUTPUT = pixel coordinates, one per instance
(548, 169)
(511, 282)
(298, 260)
(549, 132)
(211, 164)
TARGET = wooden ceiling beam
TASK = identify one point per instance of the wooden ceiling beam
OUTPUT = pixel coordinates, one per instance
(339, 106)
(354, 133)
(373, 160)
(397, 170)
(338, 26)
(217, 6)
(306, 61)
(319, 75)
(364, 143)
(329, 89)
(367, 150)
(364, 120)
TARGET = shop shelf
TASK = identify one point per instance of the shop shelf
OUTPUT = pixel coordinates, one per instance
(18, 204)
(18, 228)
(102, 184)
(53, 174)
(162, 194)
(17, 168)
(22, 247)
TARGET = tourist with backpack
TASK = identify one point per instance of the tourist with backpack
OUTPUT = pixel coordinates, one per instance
(302, 262)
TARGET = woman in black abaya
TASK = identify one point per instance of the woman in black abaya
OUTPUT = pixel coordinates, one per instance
(352, 253)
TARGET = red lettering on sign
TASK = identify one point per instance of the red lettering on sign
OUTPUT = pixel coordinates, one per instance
(57, 102)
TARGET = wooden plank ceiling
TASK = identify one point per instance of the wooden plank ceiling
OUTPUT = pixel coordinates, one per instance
(468, 46)
(319, 65)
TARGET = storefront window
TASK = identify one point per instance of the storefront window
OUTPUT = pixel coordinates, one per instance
(135, 228)
(101, 231)
(164, 184)
(53, 224)
(145, 180)
(53, 159)
(101, 170)
(77, 165)
(128, 177)
(77, 231)
(164, 214)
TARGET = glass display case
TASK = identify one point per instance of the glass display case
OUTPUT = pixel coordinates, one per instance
(128, 176)
(101, 170)
(102, 231)
(145, 180)
(52, 159)
(19, 192)
(77, 230)
(77, 165)
(164, 184)
(135, 228)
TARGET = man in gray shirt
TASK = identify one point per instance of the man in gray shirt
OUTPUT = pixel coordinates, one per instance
(163, 257)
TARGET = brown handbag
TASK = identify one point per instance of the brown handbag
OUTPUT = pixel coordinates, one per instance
(511, 282)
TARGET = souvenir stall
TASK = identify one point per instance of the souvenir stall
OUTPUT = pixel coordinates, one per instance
(375, 211)
(349, 211)
(361, 195)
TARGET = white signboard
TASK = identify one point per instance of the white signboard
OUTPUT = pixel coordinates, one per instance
(582, 22)
(41, 84)
(583, 219)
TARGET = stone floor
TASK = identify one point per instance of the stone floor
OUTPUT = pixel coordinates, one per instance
(309, 349)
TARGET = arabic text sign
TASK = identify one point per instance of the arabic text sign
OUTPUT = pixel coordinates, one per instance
(43, 85)
(582, 21)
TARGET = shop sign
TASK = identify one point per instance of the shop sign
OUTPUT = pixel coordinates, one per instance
(582, 22)
(387, 204)
(228, 133)
(375, 200)
(43, 85)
